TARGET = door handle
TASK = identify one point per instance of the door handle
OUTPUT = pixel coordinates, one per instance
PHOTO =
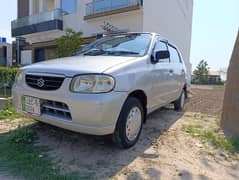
(171, 71)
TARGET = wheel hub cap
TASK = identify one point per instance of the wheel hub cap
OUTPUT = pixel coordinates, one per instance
(133, 123)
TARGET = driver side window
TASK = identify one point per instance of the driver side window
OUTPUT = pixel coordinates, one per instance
(160, 46)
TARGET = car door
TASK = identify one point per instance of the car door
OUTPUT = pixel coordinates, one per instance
(177, 72)
(161, 77)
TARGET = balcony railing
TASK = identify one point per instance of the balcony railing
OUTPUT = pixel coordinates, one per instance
(38, 18)
(45, 21)
(100, 6)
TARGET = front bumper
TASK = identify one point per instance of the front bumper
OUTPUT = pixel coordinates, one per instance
(95, 114)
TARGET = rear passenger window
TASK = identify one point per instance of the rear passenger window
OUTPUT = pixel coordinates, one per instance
(174, 56)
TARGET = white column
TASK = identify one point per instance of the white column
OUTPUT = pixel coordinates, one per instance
(57, 4)
(41, 6)
(31, 7)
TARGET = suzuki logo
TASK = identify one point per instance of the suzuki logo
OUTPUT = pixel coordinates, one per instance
(40, 82)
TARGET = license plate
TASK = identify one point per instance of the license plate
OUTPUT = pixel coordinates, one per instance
(31, 105)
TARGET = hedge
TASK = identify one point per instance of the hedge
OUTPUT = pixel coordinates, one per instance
(7, 76)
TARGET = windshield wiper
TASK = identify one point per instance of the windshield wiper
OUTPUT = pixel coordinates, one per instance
(94, 52)
(97, 52)
(122, 52)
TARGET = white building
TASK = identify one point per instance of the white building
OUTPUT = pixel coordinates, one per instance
(42, 21)
(5, 54)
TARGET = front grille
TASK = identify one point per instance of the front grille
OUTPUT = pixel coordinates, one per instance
(56, 109)
(40, 82)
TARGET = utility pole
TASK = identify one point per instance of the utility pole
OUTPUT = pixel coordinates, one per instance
(230, 114)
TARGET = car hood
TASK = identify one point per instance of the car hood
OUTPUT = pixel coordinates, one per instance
(72, 66)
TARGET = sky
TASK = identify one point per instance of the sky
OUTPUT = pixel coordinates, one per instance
(215, 26)
(8, 12)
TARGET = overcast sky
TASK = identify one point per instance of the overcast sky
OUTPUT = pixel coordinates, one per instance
(215, 25)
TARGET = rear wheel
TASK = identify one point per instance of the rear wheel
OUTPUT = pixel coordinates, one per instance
(180, 102)
(129, 124)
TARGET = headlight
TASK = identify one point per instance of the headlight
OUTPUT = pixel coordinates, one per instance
(18, 77)
(92, 83)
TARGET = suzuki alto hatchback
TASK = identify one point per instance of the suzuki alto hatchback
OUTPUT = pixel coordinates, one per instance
(107, 88)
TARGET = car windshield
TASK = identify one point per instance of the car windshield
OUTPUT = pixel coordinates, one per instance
(119, 45)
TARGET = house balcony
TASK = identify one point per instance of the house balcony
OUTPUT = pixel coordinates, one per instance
(44, 21)
(99, 8)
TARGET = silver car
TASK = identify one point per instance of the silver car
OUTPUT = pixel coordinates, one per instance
(108, 88)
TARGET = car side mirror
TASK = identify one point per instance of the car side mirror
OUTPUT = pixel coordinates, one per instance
(162, 55)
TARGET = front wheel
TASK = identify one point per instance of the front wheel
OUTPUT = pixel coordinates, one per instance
(129, 124)
(180, 102)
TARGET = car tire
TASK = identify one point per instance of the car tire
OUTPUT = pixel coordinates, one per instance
(129, 125)
(180, 102)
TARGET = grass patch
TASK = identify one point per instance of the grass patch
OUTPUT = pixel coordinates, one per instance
(214, 137)
(194, 130)
(9, 113)
(20, 158)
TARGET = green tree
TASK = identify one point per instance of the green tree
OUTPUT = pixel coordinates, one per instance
(70, 43)
(200, 74)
